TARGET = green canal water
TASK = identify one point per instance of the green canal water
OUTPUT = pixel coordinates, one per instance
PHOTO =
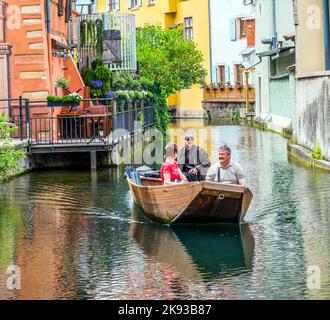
(76, 235)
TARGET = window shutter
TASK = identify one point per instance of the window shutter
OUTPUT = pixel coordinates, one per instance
(233, 36)
(129, 4)
(60, 8)
(227, 73)
(214, 74)
(68, 11)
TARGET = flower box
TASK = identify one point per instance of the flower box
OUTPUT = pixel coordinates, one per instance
(62, 104)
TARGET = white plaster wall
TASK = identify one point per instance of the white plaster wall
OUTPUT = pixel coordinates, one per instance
(225, 51)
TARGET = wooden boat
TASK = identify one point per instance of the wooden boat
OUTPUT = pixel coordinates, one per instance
(194, 202)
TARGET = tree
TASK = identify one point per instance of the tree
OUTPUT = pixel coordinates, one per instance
(167, 58)
(9, 154)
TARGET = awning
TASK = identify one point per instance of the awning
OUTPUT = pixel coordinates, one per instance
(247, 51)
(274, 52)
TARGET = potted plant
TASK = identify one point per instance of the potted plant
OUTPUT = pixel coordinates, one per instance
(122, 97)
(239, 85)
(72, 100)
(229, 85)
(62, 83)
(101, 131)
(221, 85)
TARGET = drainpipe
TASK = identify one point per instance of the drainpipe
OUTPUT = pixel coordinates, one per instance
(274, 32)
(326, 34)
(48, 15)
(210, 38)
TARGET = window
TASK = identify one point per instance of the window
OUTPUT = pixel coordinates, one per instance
(152, 2)
(113, 5)
(241, 28)
(134, 3)
(238, 73)
(221, 74)
(188, 28)
(60, 8)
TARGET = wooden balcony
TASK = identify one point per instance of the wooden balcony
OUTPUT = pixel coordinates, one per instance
(227, 94)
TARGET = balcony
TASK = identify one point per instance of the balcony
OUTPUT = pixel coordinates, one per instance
(170, 6)
(228, 94)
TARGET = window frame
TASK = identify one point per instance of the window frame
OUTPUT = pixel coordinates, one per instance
(221, 66)
(111, 3)
(134, 4)
(189, 28)
(238, 75)
(241, 32)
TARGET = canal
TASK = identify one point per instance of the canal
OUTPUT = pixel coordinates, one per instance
(76, 235)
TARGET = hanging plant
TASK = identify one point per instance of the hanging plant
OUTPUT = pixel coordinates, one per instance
(83, 29)
(99, 37)
(90, 32)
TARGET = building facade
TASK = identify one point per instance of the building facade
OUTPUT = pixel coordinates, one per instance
(193, 16)
(313, 74)
(5, 51)
(38, 32)
(275, 74)
(232, 25)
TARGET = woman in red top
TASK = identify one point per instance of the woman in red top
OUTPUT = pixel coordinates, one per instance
(170, 171)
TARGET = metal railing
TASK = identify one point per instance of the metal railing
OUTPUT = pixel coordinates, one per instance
(89, 122)
(17, 111)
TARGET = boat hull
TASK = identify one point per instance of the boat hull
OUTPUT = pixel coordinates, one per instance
(195, 202)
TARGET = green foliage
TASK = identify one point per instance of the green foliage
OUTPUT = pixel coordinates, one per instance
(91, 33)
(54, 99)
(83, 33)
(97, 63)
(9, 155)
(235, 115)
(168, 59)
(124, 81)
(88, 75)
(168, 63)
(62, 82)
(99, 37)
(73, 97)
(317, 152)
(141, 118)
(99, 71)
(123, 95)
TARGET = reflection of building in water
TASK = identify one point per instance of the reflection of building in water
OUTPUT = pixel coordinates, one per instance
(314, 219)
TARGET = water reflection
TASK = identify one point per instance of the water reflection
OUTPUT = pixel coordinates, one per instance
(198, 252)
(74, 236)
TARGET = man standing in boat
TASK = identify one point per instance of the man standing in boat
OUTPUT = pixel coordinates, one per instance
(226, 171)
(193, 160)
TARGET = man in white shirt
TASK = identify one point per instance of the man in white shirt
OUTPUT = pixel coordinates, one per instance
(226, 171)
